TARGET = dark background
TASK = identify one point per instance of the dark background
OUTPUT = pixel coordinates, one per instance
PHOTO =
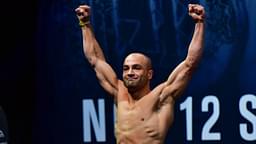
(17, 68)
(44, 76)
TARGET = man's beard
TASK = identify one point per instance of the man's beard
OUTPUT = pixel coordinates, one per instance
(134, 85)
(131, 83)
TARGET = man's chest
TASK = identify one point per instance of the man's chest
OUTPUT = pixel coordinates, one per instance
(133, 116)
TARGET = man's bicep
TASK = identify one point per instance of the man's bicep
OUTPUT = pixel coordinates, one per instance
(107, 77)
(178, 80)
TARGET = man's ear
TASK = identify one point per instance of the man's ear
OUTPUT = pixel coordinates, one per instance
(150, 74)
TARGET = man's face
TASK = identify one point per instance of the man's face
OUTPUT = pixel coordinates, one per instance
(136, 73)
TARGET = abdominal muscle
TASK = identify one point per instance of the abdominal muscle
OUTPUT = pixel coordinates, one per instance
(135, 125)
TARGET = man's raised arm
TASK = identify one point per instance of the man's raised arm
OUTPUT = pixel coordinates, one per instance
(179, 78)
(94, 54)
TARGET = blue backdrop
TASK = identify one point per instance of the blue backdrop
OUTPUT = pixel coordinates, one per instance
(219, 105)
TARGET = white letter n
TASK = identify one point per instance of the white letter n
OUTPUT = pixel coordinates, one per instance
(89, 112)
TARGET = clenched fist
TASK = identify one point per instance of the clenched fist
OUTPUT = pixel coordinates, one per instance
(83, 13)
(197, 12)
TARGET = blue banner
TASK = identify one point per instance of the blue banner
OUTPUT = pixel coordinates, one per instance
(219, 104)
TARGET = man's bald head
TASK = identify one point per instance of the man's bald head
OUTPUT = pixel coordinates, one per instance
(137, 56)
(137, 72)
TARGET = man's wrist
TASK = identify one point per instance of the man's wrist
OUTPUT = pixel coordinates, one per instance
(83, 23)
(199, 21)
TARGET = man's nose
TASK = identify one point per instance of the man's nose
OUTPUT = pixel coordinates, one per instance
(130, 72)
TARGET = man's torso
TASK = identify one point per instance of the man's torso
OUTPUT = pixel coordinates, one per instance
(139, 121)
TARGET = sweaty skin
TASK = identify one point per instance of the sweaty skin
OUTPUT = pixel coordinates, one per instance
(143, 115)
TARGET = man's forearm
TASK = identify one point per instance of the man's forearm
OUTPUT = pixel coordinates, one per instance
(98, 50)
(196, 46)
(91, 47)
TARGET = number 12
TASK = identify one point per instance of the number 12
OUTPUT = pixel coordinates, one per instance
(206, 134)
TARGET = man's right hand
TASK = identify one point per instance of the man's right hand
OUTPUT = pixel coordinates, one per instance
(83, 13)
(197, 12)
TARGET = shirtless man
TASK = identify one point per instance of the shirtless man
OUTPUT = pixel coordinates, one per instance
(143, 115)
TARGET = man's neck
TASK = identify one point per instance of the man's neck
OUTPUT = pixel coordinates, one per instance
(137, 95)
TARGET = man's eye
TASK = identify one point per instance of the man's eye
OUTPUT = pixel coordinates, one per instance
(137, 67)
(125, 68)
